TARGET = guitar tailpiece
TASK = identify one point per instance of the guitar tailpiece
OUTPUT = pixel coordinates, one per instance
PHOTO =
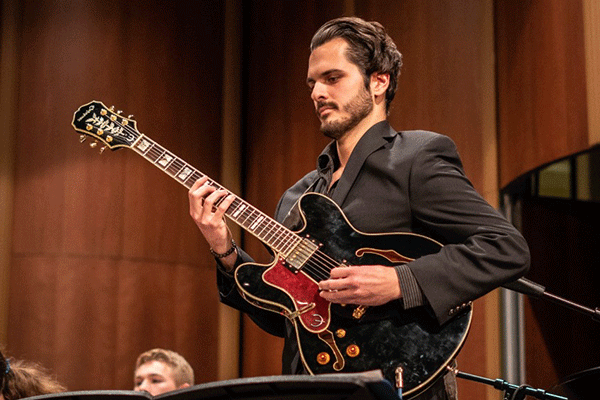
(296, 314)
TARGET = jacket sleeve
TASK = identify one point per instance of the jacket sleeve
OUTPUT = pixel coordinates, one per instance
(481, 251)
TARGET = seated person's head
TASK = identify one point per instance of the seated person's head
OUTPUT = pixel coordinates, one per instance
(159, 371)
(20, 379)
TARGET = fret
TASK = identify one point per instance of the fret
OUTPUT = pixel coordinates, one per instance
(164, 160)
(174, 166)
(155, 154)
(256, 223)
(239, 210)
(259, 232)
(184, 173)
(152, 155)
(176, 174)
(143, 145)
(246, 216)
(278, 241)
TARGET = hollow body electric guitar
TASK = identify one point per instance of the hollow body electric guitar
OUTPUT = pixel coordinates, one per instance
(408, 346)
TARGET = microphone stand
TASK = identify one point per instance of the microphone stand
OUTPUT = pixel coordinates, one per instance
(515, 392)
(511, 392)
(533, 289)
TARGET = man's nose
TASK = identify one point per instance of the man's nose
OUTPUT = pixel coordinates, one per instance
(318, 92)
(142, 386)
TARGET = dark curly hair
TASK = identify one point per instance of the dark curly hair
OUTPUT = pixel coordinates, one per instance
(369, 47)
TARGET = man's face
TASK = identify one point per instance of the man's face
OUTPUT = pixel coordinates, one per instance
(155, 378)
(337, 89)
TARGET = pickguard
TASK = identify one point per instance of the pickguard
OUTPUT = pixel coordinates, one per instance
(313, 311)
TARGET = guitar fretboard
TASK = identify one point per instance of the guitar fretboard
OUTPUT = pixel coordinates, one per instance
(265, 228)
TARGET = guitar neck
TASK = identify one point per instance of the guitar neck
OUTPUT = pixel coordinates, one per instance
(265, 228)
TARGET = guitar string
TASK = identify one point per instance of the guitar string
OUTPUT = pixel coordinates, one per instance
(155, 155)
(319, 263)
(318, 269)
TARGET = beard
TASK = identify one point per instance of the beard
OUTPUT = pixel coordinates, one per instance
(358, 108)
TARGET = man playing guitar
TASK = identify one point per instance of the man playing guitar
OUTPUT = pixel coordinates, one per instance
(384, 181)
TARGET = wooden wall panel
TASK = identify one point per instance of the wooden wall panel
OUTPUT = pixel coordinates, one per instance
(542, 111)
(106, 262)
(564, 238)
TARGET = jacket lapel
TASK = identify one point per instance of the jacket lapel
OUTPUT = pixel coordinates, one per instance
(375, 138)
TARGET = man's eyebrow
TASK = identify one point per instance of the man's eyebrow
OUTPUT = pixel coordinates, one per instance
(310, 80)
(149, 375)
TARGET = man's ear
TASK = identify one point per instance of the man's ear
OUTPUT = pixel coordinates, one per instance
(379, 83)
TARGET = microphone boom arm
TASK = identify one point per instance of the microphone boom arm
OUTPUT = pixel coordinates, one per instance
(529, 288)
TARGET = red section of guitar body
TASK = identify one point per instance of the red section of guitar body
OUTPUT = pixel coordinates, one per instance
(312, 310)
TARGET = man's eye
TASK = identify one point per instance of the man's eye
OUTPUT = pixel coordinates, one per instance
(333, 79)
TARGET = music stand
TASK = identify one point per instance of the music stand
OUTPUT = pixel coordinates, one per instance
(370, 385)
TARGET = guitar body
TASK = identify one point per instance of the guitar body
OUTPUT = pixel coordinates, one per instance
(330, 338)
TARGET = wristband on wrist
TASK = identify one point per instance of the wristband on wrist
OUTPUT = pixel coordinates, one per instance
(223, 255)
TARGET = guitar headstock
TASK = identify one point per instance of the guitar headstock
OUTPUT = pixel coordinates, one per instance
(104, 124)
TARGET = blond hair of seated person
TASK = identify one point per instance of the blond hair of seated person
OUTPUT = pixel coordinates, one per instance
(159, 371)
(20, 379)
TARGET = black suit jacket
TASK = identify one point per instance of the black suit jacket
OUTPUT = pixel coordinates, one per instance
(410, 181)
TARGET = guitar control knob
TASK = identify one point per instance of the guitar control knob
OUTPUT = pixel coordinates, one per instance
(340, 333)
(323, 358)
(353, 350)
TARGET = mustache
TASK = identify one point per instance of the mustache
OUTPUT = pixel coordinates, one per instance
(329, 104)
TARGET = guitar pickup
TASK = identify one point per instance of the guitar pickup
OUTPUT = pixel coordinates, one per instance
(300, 254)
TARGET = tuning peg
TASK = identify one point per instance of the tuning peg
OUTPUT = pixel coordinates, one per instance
(102, 149)
(111, 108)
(130, 116)
(120, 112)
(82, 138)
(94, 144)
